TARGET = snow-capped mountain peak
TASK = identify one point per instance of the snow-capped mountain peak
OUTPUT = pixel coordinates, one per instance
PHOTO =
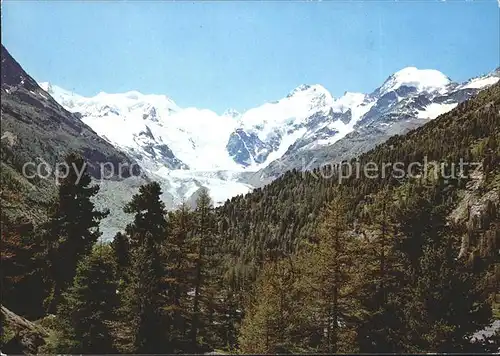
(266, 132)
(309, 90)
(190, 147)
(428, 80)
(300, 88)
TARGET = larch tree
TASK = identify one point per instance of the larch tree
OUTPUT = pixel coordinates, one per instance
(179, 260)
(380, 328)
(203, 239)
(278, 315)
(336, 262)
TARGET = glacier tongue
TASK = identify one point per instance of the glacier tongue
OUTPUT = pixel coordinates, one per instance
(185, 183)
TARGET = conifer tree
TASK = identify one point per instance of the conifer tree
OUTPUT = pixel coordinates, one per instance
(380, 329)
(89, 305)
(228, 282)
(228, 319)
(179, 259)
(22, 258)
(335, 262)
(145, 293)
(279, 317)
(73, 228)
(149, 215)
(144, 300)
(446, 303)
(204, 229)
(121, 249)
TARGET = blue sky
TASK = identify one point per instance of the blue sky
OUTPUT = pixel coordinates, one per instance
(240, 54)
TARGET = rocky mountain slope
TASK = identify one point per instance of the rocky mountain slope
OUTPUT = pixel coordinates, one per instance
(36, 130)
(39, 127)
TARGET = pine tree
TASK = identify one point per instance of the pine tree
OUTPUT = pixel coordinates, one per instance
(228, 282)
(22, 258)
(433, 302)
(228, 316)
(73, 228)
(446, 302)
(279, 316)
(146, 292)
(121, 249)
(89, 305)
(144, 300)
(149, 215)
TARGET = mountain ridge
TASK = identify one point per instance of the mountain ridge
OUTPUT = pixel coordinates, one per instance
(300, 131)
(37, 131)
(186, 147)
(256, 137)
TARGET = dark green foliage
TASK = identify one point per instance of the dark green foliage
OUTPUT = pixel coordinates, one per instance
(204, 238)
(121, 251)
(144, 300)
(149, 215)
(73, 227)
(380, 328)
(89, 305)
(447, 303)
(179, 263)
(145, 292)
(278, 314)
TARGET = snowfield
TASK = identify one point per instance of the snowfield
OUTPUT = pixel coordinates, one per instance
(434, 110)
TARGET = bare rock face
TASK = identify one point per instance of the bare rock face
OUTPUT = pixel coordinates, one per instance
(44, 129)
(20, 336)
(38, 132)
(475, 210)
